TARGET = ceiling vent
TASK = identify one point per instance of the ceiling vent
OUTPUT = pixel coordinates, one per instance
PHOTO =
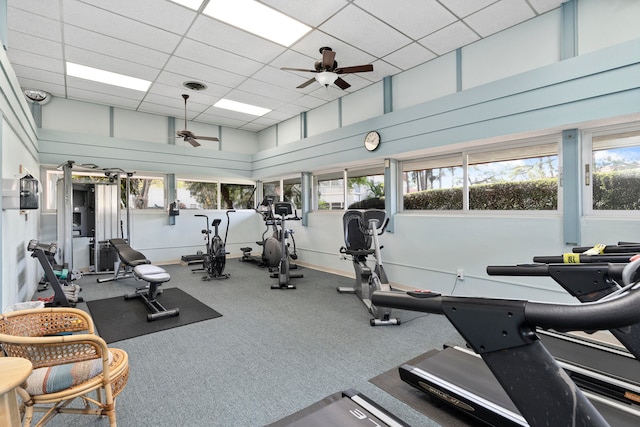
(195, 85)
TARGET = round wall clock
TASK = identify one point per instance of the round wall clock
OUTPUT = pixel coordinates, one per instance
(372, 140)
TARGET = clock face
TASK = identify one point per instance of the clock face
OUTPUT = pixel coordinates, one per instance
(372, 140)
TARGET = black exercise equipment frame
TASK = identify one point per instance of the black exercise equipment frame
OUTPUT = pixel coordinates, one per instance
(502, 332)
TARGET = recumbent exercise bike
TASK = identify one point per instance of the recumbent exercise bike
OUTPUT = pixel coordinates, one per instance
(361, 230)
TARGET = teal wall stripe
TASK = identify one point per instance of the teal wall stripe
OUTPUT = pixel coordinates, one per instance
(111, 120)
(571, 186)
(569, 47)
(387, 94)
(459, 70)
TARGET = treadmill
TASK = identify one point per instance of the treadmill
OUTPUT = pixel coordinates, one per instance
(517, 381)
(347, 408)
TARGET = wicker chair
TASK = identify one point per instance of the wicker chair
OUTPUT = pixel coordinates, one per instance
(69, 361)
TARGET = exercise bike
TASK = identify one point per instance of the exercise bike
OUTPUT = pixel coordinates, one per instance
(215, 258)
(276, 247)
(361, 230)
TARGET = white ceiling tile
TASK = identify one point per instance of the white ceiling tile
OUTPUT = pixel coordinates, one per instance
(370, 34)
(425, 16)
(409, 56)
(253, 99)
(28, 59)
(462, 8)
(277, 77)
(176, 81)
(200, 72)
(40, 75)
(449, 38)
(381, 69)
(542, 6)
(120, 27)
(49, 9)
(268, 90)
(35, 45)
(499, 16)
(215, 33)
(253, 127)
(302, 11)
(161, 14)
(100, 97)
(34, 25)
(214, 57)
(104, 45)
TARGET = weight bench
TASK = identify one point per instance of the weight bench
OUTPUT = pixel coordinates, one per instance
(128, 258)
(136, 264)
(154, 276)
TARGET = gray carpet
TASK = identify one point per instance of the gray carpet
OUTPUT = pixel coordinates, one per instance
(273, 352)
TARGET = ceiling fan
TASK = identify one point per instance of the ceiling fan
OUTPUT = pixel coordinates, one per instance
(187, 134)
(327, 70)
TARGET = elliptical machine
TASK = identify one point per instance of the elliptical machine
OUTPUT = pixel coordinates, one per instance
(215, 258)
(361, 230)
(276, 247)
(265, 208)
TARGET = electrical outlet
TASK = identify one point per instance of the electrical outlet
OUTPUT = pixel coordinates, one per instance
(460, 274)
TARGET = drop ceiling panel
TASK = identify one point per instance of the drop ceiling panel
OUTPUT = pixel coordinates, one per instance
(34, 45)
(215, 33)
(119, 27)
(161, 14)
(104, 45)
(170, 44)
(34, 25)
(426, 16)
(370, 34)
(312, 16)
(449, 38)
(214, 57)
(499, 16)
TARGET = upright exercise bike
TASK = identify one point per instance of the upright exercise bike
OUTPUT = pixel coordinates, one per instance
(361, 230)
(215, 258)
(277, 247)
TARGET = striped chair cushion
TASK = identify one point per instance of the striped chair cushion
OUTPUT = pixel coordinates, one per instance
(55, 378)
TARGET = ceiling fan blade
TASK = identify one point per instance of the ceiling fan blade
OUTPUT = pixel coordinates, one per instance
(299, 69)
(354, 69)
(328, 57)
(341, 83)
(307, 83)
(192, 141)
(206, 138)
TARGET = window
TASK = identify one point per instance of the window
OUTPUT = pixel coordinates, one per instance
(330, 191)
(237, 196)
(197, 194)
(365, 188)
(433, 184)
(615, 175)
(523, 177)
(146, 192)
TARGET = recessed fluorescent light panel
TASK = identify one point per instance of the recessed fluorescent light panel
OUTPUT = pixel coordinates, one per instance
(258, 19)
(191, 4)
(107, 77)
(241, 107)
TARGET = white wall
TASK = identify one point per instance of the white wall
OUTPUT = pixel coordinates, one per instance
(19, 272)
(605, 23)
(527, 46)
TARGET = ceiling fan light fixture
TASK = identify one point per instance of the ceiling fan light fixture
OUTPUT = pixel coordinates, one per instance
(326, 78)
